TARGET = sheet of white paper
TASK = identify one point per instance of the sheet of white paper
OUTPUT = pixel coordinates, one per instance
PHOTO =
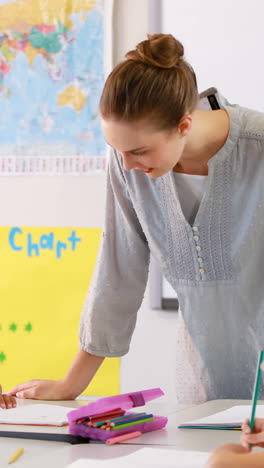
(236, 414)
(42, 414)
(147, 457)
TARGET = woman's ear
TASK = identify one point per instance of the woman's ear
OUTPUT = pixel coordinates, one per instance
(185, 125)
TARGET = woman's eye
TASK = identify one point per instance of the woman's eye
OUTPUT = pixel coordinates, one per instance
(139, 154)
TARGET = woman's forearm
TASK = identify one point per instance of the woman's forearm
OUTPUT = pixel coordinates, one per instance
(80, 373)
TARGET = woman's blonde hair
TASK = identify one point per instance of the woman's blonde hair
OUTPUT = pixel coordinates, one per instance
(154, 82)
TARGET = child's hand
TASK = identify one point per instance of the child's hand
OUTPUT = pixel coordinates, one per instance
(254, 438)
(226, 456)
(6, 401)
(249, 439)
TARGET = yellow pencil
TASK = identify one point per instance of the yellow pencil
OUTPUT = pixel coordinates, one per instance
(16, 455)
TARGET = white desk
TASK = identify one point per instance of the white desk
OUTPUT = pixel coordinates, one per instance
(33, 448)
(40, 454)
(195, 439)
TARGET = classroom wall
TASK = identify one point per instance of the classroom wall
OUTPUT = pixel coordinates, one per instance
(79, 201)
(222, 42)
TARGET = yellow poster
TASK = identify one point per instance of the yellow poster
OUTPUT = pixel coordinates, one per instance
(44, 277)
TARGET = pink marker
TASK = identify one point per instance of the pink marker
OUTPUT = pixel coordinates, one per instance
(121, 438)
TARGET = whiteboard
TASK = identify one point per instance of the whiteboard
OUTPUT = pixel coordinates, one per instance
(223, 41)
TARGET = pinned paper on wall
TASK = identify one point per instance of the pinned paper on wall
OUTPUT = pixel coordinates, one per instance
(44, 279)
(53, 57)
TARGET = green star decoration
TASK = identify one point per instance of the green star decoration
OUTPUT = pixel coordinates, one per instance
(2, 357)
(13, 327)
(28, 327)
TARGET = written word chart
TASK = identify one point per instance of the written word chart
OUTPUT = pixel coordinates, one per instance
(44, 278)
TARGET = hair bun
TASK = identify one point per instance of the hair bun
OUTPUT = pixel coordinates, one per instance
(159, 50)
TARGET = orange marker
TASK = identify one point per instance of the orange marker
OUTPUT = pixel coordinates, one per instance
(123, 437)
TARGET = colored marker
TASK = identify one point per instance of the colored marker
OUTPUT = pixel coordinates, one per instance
(121, 426)
(122, 438)
(82, 420)
(127, 416)
(109, 414)
(120, 419)
(101, 417)
(137, 418)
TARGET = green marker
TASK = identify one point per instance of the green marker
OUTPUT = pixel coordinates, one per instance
(131, 423)
(256, 390)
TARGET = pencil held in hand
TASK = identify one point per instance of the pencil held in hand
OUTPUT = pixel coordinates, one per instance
(256, 390)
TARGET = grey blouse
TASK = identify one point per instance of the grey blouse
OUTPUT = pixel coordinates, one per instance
(216, 265)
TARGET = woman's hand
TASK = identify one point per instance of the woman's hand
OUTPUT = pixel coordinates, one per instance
(6, 401)
(41, 390)
(255, 438)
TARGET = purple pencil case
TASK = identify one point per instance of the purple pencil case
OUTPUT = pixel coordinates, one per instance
(125, 401)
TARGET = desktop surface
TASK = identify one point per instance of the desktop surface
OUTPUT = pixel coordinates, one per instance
(59, 454)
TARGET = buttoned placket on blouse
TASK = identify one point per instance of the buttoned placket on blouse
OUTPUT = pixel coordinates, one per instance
(202, 252)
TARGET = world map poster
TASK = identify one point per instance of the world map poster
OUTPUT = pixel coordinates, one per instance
(51, 77)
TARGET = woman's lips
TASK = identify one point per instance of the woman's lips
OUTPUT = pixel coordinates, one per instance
(150, 169)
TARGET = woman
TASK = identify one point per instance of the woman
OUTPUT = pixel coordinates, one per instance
(186, 185)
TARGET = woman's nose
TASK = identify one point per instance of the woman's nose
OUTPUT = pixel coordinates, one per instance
(128, 163)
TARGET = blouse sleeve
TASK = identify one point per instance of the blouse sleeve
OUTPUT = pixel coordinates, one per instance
(109, 315)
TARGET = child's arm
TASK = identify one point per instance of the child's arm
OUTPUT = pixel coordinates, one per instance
(6, 401)
(76, 380)
(235, 456)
